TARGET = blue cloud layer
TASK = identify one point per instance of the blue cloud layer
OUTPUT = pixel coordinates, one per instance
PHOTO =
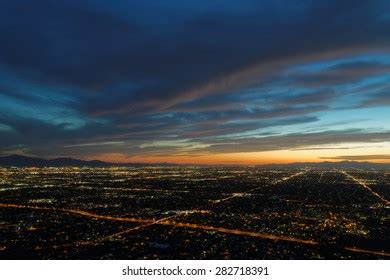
(128, 73)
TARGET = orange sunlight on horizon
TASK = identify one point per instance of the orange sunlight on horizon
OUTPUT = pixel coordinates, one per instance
(373, 154)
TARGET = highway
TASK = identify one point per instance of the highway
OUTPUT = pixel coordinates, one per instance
(364, 185)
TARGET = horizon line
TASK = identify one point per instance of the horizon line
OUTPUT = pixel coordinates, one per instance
(197, 164)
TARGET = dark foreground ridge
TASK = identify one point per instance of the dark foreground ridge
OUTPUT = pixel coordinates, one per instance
(24, 161)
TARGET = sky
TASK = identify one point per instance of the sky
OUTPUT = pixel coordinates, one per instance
(222, 81)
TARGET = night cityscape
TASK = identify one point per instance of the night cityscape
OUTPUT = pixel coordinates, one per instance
(195, 130)
(194, 212)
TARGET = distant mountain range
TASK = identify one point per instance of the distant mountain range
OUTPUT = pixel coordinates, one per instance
(24, 161)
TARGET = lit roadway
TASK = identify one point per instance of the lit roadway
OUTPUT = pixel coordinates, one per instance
(364, 185)
(254, 189)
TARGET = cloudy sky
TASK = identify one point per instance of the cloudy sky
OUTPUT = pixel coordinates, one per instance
(217, 81)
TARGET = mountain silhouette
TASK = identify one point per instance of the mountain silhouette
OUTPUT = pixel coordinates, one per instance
(23, 161)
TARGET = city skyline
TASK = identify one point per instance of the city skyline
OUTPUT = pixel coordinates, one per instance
(227, 82)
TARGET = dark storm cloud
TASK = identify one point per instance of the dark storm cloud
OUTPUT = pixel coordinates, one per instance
(154, 70)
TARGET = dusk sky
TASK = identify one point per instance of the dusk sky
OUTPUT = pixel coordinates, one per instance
(213, 81)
